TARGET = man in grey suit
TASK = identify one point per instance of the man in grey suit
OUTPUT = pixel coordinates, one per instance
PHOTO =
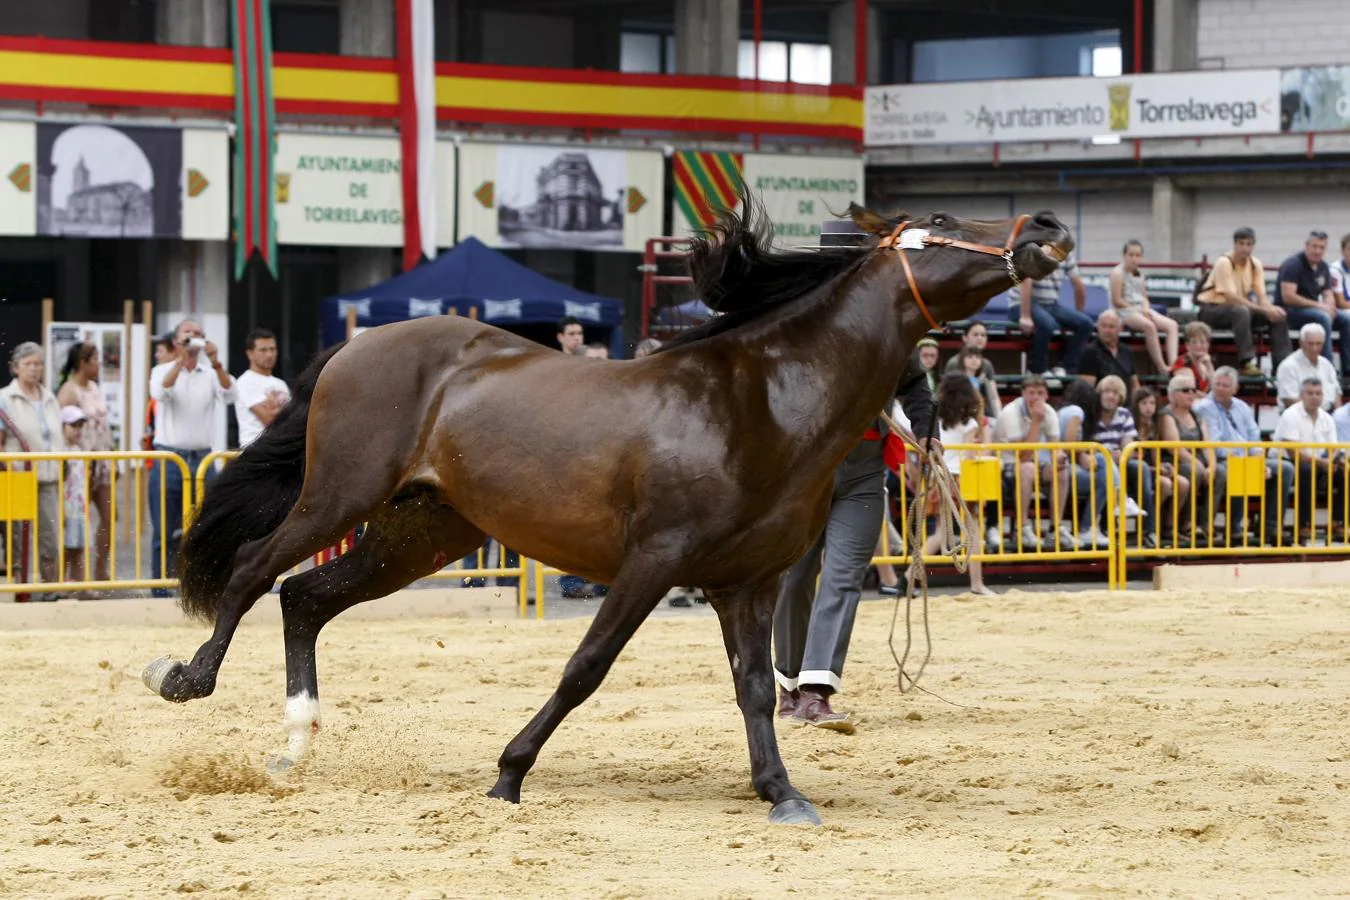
(811, 638)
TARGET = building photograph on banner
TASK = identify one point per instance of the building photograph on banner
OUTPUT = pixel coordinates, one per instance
(337, 190)
(798, 192)
(99, 180)
(574, 198)
(1186, 104)
(1315, 99)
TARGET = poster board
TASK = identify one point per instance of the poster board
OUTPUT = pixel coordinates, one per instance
(111, 342)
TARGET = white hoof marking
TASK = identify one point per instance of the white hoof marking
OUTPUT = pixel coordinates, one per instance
(302, 721)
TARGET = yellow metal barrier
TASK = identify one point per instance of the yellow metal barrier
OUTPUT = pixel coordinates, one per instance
(47, 503)
(1254, 489)
(1024, 484)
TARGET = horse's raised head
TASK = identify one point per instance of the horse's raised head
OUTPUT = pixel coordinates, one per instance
(954, 266)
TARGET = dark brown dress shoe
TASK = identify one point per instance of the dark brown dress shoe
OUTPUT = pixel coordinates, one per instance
(787, 703)
(814, 709)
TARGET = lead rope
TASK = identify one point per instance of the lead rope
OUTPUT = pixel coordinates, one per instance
(954, 521)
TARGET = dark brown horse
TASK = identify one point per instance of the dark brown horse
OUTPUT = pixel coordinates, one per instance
(709, 463)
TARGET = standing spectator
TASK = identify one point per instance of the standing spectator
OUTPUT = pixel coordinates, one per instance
(1129, 297)
(188, 395)
(31, 420)
(1231, 419)
(1309, 295)
(75, 496)
(1107, 355)
(261, 394)
(1197, 358)
(1309, 362)
(1233, 293)
(1039, 313)
(1029, 419)
(1179, 423)
(80, 388)
(1306, 422)
(164, 352)
(571, 336)
(596, 350)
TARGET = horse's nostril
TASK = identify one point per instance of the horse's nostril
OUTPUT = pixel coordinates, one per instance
(1047, 220)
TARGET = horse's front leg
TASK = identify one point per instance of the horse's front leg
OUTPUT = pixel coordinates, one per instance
(636, 591)
(747, 623)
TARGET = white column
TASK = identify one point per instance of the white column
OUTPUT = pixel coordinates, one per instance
(193, 23)
(1173, 222)
(366, 29)
(707, 33)
(1175, 35)
(843, 43)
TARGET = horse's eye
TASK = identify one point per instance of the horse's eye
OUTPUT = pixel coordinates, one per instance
(939, 221)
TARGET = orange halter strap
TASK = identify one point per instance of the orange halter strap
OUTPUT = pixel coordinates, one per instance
(934, 240)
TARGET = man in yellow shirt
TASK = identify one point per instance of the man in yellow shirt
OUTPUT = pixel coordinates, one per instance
(1234, 293)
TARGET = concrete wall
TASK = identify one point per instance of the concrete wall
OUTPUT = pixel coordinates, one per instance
(1281, 216)
(1243, 34)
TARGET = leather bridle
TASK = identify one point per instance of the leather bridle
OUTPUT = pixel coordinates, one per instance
(937, 240)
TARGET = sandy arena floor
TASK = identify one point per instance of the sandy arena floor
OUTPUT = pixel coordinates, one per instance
(1132, 744)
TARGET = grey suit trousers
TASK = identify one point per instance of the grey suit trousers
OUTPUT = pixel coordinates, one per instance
(811, 638)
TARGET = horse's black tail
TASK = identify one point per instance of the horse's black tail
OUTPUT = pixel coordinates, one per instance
(248, 500)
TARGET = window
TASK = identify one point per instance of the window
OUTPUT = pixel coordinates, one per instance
(810, 63)
(1106, 61)
(781, 61)
(639, 52)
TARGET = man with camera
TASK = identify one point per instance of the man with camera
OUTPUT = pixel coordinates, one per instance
(188, 390)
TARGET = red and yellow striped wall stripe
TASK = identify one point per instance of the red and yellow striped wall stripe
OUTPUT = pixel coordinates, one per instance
(704, 180)
(145, 75)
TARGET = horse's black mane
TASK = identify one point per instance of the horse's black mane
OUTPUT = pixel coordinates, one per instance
(737, 272)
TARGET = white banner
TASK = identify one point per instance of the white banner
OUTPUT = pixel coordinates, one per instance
(798, 192)
(206, 185)
(339, 190)
(18, 178)
(580, 198)
(1185, 104)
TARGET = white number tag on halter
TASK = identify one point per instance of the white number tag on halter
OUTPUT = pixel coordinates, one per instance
(912, 238)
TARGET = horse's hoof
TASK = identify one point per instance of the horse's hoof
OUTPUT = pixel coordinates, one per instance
(154, 675)
(504, 790)
(797, 811)
(280, 765)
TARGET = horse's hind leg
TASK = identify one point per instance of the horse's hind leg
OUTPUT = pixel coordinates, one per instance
(314, 524)
(636, 591)
(747, 622)
(404, 541)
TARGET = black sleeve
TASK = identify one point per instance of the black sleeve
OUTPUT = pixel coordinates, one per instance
(916, 397)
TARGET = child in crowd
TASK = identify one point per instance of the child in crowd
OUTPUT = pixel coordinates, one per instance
(74, 496)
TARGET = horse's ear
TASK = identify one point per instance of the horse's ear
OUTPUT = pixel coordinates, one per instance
(869, 221)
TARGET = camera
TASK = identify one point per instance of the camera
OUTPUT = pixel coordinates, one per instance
(197, 343)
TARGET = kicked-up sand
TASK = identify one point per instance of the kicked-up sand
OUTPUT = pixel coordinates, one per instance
(1080, 744)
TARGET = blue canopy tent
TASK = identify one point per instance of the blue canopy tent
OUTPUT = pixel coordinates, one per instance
(507, 294)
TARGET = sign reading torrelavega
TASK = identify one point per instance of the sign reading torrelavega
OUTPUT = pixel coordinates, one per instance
(339, 190)
(1186, 104)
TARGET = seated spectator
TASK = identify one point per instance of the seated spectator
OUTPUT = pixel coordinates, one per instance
(1231, 419)
(1144, 410)
(1308, 362)
(969, 362)
(1198, 463)
(646, 347)
(1197, 358)
(1077, 415)
(1342, 419)
(1309, 295)
(1340, 278)
(1030, 419)
(1233, 295)
(1107, 355)
(973, 343)
(1307, 422)
(1039, 313)
(1129, 297)
(1114, 429)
